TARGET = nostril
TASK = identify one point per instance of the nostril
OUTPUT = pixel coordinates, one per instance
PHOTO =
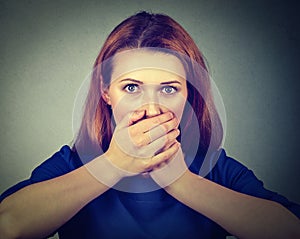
(152, 110)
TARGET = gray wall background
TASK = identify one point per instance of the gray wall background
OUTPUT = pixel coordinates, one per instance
(48, 47)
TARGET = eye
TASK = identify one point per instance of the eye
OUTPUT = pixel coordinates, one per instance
(169, 90)
(131, 88)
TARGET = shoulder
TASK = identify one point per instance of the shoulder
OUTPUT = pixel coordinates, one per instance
(229, 172)
(61, 162)
(232, 174)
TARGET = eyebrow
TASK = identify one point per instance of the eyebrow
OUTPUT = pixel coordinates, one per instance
(171, 82)
(162, 83)
(130, 79)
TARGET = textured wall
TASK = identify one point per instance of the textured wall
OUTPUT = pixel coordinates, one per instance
(48, 47)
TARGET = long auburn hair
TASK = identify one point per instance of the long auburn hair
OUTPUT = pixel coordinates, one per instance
(156, 31)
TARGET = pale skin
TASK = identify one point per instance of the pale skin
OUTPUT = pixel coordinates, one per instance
(39, 209)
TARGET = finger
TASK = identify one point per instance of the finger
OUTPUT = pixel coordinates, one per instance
(131, 118)
(168, 145)
(158, 145)
(161, 142)
(164, 156)
(161, 165)
(136, 116)
(150, 123)
(162, 129)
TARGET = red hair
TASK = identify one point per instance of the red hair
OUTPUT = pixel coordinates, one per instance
(157, 31)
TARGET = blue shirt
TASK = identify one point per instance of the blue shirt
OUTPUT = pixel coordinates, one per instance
(117, 214)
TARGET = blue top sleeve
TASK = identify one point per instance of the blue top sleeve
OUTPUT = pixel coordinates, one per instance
(58, 164)
(232, 174)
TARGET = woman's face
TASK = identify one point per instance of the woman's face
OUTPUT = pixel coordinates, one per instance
(150, 81)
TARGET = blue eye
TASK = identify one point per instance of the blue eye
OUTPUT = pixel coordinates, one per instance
(169, 90)
(131, 88)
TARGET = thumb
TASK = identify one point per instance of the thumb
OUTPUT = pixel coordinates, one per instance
(136, 116)
(131, 118)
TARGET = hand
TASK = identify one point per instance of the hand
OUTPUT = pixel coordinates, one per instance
(137, 143)
(170, 170)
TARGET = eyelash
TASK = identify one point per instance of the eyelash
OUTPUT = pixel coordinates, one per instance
(130, 85)
(175, 89)
(126, 88)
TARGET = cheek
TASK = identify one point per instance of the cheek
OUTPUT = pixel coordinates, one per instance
(122, 106)
(174, 104)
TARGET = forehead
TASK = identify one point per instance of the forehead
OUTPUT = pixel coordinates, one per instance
(151, 76)
(138, 61)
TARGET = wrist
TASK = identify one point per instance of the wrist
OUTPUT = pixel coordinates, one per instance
(104, 171)
(178, 185)
(171, 171)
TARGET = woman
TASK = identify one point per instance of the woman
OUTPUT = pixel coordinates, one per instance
(134, 170)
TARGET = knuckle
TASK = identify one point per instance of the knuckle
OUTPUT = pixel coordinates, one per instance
(175, 134)
(164, 140)
(165, 156)
(175, 122)
(138, 143)
(146, 165)
(165, 127)
(133, 131)
(156, 120)
(175, 119)
(170, 137)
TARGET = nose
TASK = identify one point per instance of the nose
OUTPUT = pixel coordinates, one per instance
(151, 103)
(152, 109)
